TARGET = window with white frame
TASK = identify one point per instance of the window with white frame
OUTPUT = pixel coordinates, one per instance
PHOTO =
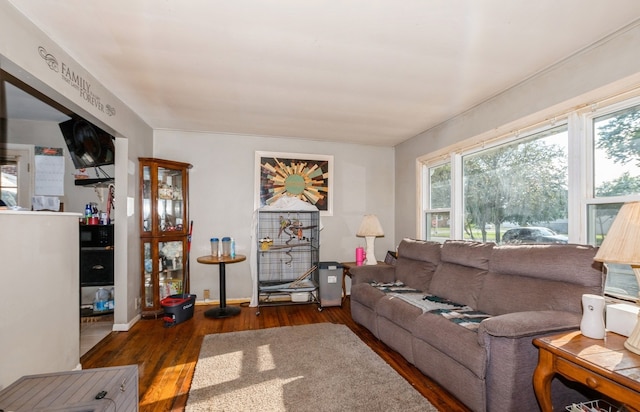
(437, 212)
(615, 138)
(520, 188)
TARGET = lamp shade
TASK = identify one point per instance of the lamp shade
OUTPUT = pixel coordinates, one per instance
(370, 226)
(622, 242)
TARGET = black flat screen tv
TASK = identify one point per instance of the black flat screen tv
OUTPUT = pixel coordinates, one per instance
(89, 145)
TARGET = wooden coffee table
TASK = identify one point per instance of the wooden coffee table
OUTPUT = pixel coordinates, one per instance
(603, 365)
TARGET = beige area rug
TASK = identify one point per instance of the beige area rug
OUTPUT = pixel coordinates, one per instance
(319, 367)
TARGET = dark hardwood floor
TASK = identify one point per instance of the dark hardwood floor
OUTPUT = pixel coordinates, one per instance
(166, 357)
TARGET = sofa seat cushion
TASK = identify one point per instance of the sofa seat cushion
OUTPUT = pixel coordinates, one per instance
(366, 295)
(402, 308)
(460, 314)
(457, 342)
(399, 310)
(464, 316)
(397, 287)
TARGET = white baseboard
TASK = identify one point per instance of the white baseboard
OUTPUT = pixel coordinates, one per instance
(124, 327)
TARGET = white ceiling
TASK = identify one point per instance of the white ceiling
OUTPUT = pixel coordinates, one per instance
(373, 72)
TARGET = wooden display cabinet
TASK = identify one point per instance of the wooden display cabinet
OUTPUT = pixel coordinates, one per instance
(164, 231)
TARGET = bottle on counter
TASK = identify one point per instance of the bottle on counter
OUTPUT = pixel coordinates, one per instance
(87, 213)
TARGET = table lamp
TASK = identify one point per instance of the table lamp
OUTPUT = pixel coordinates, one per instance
(370, 228)
(622, 245)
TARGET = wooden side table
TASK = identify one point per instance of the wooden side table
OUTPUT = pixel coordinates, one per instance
(602, 365)
(345, 272)
(223, 311)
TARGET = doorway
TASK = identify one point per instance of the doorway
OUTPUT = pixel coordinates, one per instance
(29, 119)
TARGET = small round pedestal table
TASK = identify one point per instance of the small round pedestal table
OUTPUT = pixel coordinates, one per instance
(222, 311)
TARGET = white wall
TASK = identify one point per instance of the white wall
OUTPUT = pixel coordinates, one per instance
(40, 322)
(221, 197)
(607, 68)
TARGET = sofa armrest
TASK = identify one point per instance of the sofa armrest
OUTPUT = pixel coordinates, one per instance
(523, 324)
(371, 273)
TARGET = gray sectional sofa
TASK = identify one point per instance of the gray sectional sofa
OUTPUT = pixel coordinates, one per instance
(465, 313)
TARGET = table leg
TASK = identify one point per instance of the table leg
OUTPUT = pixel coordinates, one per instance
(542, 376)
(344, 284)
(222, 311)
(223, 286)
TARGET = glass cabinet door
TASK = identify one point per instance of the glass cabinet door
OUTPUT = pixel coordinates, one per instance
(163, 197)
(170, 207)
(146, 199)
(170, 267)
(148, 278)
(163, 271)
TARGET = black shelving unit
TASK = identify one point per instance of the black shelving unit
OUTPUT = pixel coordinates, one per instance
(96, 262)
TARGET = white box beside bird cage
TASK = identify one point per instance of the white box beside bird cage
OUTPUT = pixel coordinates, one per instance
(300, 297)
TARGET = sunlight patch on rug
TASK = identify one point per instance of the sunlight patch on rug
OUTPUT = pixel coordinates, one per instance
(265, 358)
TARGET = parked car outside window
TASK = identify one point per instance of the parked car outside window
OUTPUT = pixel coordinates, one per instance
(532, 234)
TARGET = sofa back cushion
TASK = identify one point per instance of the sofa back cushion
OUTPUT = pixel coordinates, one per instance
(463, 266)
(416, 262)
(540, 277)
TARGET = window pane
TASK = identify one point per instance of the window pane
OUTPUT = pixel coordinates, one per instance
(617, 153)
(600, 218)
(438, 203)
(520, 184)
(438, 225)
(440, 187)
(620, 281)
(9, 183)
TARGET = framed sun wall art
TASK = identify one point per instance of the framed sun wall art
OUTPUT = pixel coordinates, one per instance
(305, 176)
